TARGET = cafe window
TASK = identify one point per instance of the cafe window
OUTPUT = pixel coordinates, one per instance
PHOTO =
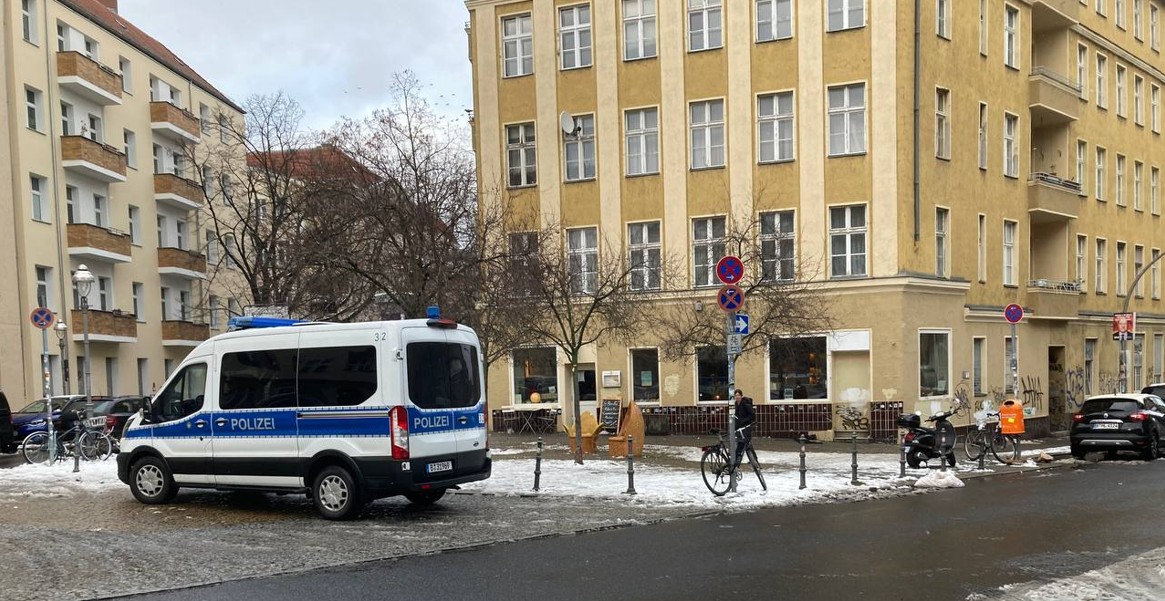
(712, 373)
(933, 364)
(798, 368)
(535, 375)
(645, 375)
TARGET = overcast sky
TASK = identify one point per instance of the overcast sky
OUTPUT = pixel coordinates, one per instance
(335, 57)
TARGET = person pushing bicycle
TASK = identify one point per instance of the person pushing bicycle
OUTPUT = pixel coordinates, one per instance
(745, 418)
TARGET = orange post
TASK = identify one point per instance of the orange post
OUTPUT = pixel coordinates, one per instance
(1011, 417)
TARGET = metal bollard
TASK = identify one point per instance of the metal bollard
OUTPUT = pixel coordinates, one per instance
(630, 466)
(538, 466)
(802, 439)
(854, 465)
(902, 460)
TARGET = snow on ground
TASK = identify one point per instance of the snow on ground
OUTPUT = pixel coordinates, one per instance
(1136, 578)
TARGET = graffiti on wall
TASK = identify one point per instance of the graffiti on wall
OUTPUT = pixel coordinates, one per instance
(1107, 382)
(853, 418)
(1032, 392)
(1075, 387)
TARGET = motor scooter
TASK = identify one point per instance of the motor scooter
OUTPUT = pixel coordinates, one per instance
(922, 444)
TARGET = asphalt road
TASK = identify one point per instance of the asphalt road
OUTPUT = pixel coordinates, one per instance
(996, 531)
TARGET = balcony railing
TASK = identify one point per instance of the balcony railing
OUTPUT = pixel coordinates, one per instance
(180, 262)
(1060, 285)
(88, 241)
(178, 191)
(88, 78)
(93, 159)
(105, 326)
(1053, 98)
(1052, 179)
(176, 123)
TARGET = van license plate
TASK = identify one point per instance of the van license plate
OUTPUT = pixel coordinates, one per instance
(440, 466)
(1105, 426)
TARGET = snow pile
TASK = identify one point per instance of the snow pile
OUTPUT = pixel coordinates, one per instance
(1136, 578)
(939, 479)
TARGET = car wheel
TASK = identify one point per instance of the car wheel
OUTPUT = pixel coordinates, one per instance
(1077, 452)
(425, 498)
(335, 494)
(150, 481)
(1153, 449)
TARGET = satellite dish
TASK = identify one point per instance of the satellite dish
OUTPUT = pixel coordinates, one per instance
(566, 122)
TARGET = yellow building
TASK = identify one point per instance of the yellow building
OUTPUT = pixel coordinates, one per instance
(97, 125)
(1010, 152)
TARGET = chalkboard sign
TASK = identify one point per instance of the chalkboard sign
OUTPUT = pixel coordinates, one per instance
(610, 413)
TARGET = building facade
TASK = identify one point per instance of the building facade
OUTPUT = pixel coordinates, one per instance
(1008, 153)
(98, 126)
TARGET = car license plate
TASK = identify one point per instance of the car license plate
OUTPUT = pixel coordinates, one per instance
(439, 466)
(1105, 426)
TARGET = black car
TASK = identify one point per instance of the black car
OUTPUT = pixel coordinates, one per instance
(7, 436)
(117, 412)
(1119, 422)
(68, 415)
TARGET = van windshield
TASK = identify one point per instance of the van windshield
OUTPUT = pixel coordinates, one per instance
(443, 375)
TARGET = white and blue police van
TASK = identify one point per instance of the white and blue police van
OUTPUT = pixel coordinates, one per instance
(344, 413)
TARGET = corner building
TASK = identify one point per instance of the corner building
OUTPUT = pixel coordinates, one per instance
(98, 120)
(1012, 156)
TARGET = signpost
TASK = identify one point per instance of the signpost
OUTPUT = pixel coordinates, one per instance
(1124, 328)
(1013, 313)
(730, 270)
(742, 324)
(43, 319)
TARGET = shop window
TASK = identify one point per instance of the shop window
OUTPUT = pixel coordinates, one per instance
(535, 376)
(712, 373)
(798, 368)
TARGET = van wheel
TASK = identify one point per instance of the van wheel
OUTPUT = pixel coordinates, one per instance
(150, 481)
(425, 498)
(335, 494)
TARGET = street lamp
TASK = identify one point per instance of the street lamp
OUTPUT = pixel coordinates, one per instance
(1122, 363)
(83, 280)
(62, 331)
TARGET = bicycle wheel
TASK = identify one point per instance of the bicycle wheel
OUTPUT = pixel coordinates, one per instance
(714, 466)
(974, 445)
(36, 447)
(756, 468)
(95, 446)
(1005, 448)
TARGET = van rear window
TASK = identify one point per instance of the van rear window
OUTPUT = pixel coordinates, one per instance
(443, 375)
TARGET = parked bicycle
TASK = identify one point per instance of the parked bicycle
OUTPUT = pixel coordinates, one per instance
(91, 445)
(715, 462)
(987, 435)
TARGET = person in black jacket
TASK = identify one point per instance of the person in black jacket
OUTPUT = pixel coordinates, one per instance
(745, 417)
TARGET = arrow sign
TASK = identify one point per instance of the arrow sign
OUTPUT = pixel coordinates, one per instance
(730, 298)
(742, 324)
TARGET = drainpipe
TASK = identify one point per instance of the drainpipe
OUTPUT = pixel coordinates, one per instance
(917, 75)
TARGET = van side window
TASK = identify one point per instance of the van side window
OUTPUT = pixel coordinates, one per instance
(336, 376)
(184, 396)
(443, 375)
(258, 379)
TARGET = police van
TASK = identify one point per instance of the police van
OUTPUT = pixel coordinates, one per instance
(344, 413)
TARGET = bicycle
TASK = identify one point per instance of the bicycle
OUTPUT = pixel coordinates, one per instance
(91, 445)
(987, 435)
(715, 461)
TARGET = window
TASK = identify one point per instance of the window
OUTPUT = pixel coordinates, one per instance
(1089, 364)
(138, 300)
(159, 159)
(111, 375)
(212, 311)
(37, 186)
(846, 14)
(259, 379)
(643, 242)
(942, 13)
(100, 215)
(164, 295)
(798, 368)
(778, 247)
(535, 372)
(1138, 264)
(775, 127)
(1010, 147)
(70, 197)
(1154, 27)
(942, 248)
(1082, 262)
(163, 235)
(521, 154)
(712, 373)
(1101, 159)
(1138, 100)
(1120, 268)
(180, 234)
(204, 120)
(642, 141)
(707, 134)
(1155, 278)
(847, 241)
(523, 253)
(224, 128)
(230, 252)
(1120, 90)
(126, 70)
(135, 225)
(1101, 266)
(344, 376)
(982, 248)
(66, 118)
(1081, 167)
(1120, 180)
(233, 307)
(704, 25)
(574, 36)
(1120, 13)
(934, 371)
(1138, 173)
(645, 375)
(517, 46)
(1011, 37)
(579, 149)
(43, 283)
(1101, 81)
(583, 255)
(95, 130)
(1082, 69)
(28, 20)
(847, 119)
(1009, 228)
(983, 135)
(32, 100)
(774, 20)
(104, 292)
(130, 148)
(707, 248)
(638, 29)
(983, 27)
(942, 123)
(1155, 108)
(1155, 190)
(143, 376)
(977, 366)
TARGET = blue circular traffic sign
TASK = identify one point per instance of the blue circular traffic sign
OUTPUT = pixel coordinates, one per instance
(729, 269)
(730, 298)
(1013, 313)
(42, 318)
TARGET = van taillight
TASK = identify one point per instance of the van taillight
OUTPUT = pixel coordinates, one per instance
(485, 421)
(399, 416)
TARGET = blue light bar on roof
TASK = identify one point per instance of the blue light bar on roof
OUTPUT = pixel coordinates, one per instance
(247, 322)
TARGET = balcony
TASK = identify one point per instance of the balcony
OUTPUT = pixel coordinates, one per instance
(92, 159)
(177, 124)
(96, 243)
(1050, 15)
(177, 191)
(182, 263)
(1052, 98)
(1050, 198)
(1053, 298)
(184, 333)
(88, 78)
(105, 326)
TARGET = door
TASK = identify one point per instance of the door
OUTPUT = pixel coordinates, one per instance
(446, 396)
(1058, 414)
(182, 429)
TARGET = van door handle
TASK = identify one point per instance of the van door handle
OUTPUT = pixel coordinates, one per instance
(201, 423)
(220, 422)
(463, 420)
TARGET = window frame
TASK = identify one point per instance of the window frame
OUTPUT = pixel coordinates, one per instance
(778, 236)
(1101, 265)
(1010, 253)
(1101, 81)
(1011, 41)
(29, 21)
(38, 187)
(714, 247)
(1082, 165)
(774, 19)
(642, 135)
(522, 38)
(942, 241)
(640, 22)
(984, 127)
(1082, 262)
(583, 276)
(848, 113)
(576, 32)
(706, 130)
(647, 272)
(938, 391)
(1011, 133)
(527, 149)
(942, 17)
(773, 123)
(704, 8)
(583, 142)
(1100, 166)
(942, 123)
(849, 232)
(1121, 163)
(34, 108)
(846, 9)
(1121, 265)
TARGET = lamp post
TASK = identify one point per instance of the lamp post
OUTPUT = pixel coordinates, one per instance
(62, 331)
(84, 282)
(1122, 364)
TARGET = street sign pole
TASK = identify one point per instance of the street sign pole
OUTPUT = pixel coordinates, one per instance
(729, 330)
(730, 270)
(1014, 362)
(43, 319)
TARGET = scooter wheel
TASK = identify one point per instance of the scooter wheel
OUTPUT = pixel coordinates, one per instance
(915, 458)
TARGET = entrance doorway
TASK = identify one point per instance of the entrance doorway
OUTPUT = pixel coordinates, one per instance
(1058, 415)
